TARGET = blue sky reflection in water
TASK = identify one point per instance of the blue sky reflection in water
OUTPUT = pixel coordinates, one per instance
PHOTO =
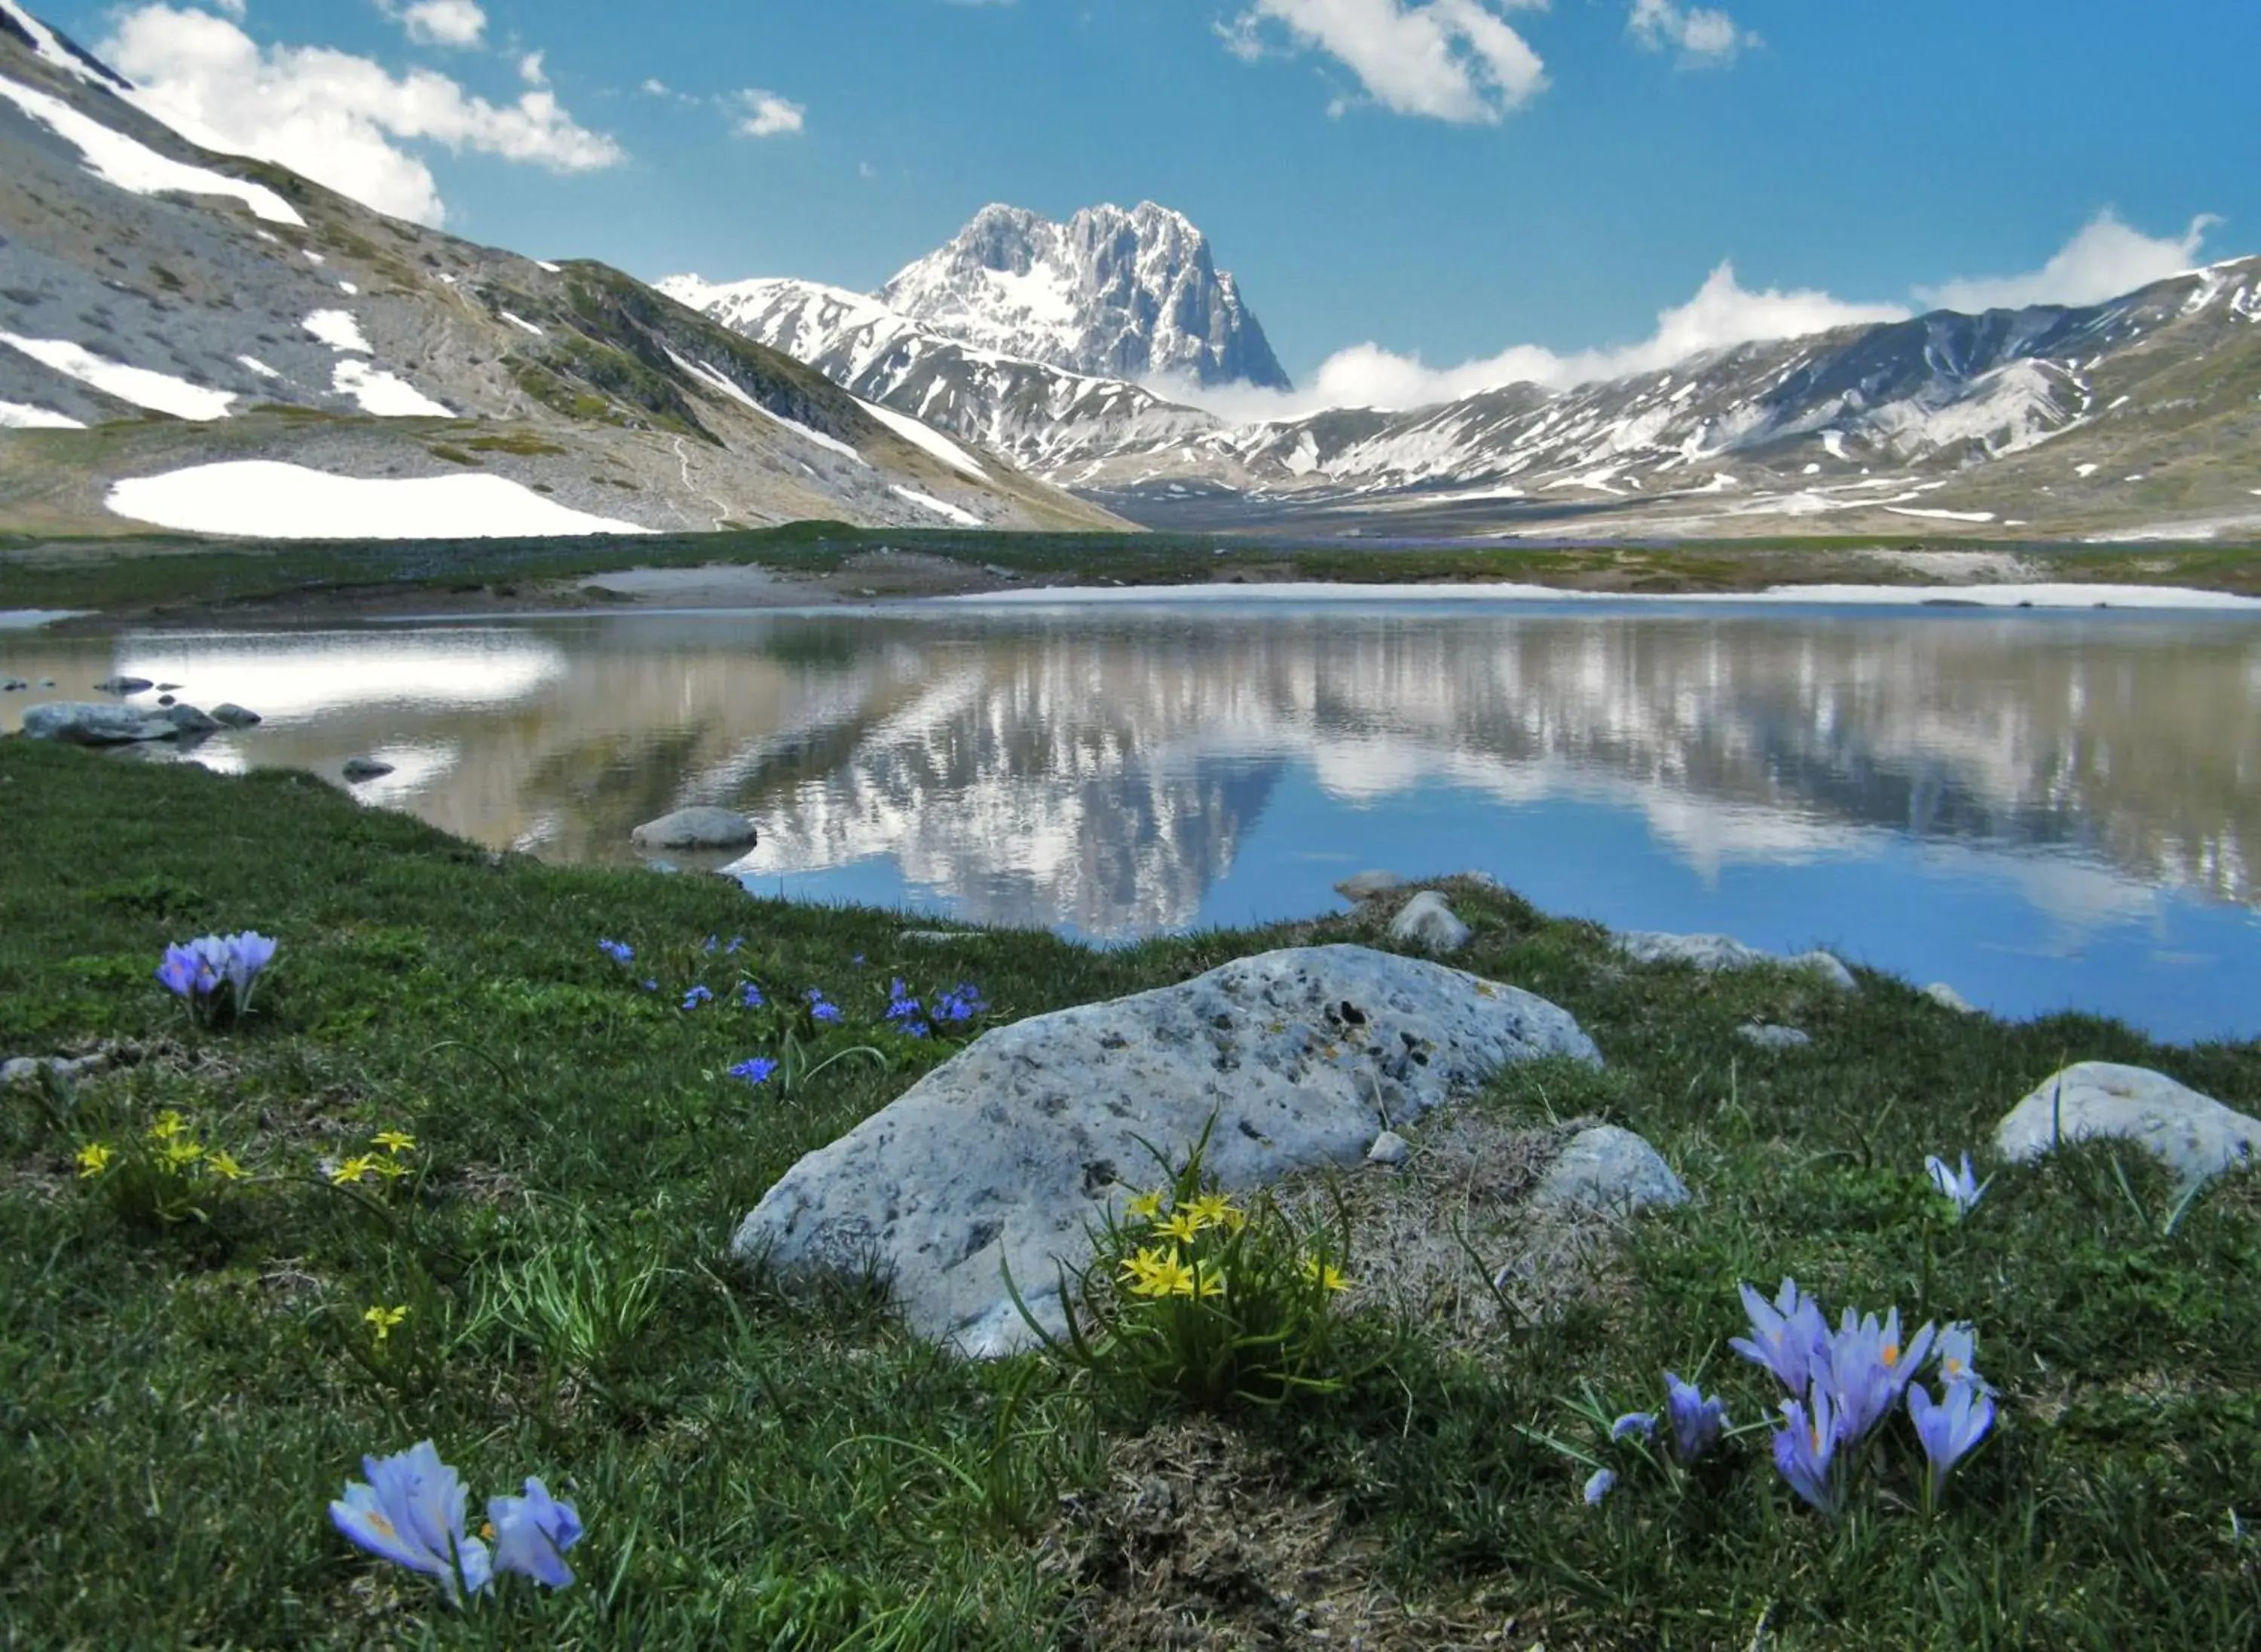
(2045, 810)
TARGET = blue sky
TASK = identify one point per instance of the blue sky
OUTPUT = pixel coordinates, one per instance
(1444, 179)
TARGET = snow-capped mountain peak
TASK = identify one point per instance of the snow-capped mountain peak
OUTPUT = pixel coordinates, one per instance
(1110, 293)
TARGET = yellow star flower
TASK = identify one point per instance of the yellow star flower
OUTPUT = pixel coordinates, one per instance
(222, 1164)
(1184, 1226)
(1325, 1274)
(1211, 1280)
(179, 1155)
(391, 1170)
(168, 1124)
(1141, 1266)
(1215, 1211)
(393, 1141)
(383, 1320)
(1170, 1278)
(1146, 1207)
(94, 1159)
(352, 1169)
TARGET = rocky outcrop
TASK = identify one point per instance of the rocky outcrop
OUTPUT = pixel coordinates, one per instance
(1428, 923)
(1007, 1153)
(1724, 952)
(90, 723)
(703, 827)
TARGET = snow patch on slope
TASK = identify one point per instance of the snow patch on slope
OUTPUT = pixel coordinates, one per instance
(116, 159)
(338, 329)
(264, 499)
(940, 508)
(16, 415)
(921, 436)
(159, 393)
(384, 395)
(716, 380)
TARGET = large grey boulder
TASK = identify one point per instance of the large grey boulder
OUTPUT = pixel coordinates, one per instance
(2197, 1136)
(1947, 998)
(1724, 952)
(188, 720)
(1608, 1169)
(1011, 1150)
(123, 686)
(358, 770)
(88, 723)
(698, 827)
(1773, 1038)
(234, 716)
(1426, 921)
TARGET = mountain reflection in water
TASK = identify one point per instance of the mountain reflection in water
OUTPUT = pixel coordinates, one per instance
(1116, 773)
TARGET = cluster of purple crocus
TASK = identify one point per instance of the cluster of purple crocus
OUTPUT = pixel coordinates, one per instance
(1844, 1383)
(410, 1512)
(1695, 1421)
(195, 971)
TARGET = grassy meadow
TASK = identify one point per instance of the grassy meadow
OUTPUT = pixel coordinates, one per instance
(189, 1370)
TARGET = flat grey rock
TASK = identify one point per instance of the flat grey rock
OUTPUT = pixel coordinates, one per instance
(90, 723)
(1770, 1037)
(1947, 998)
(13, 684)
(1365, 885)
(2197, 1136)
(1608, 1169)
(701, 827)
(188, 720)
(1011, 1150)
(1426, 921)
(1724, 952)
(229, 714)
(359, 769)
(1389, 1148)
(123, 686)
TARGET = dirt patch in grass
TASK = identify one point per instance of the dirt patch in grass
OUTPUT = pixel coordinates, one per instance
(1196, 1540)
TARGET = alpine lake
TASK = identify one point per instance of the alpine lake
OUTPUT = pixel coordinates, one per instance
(2044, 809)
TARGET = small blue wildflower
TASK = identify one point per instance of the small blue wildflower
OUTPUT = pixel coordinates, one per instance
(901, 1007)
(533, 1532)
(1805, 1451)
(756, 1070)
(1696, 1421)
(736, 941)
(710, 944)
(750, 996)
(649, 984)
(697, 996)
(1641, 1423)
(619, 952)
(1950, 1428)
(1962, 1187)
(1598, 1484)
(410, 1512)
(821, 1007)
(858, 959)
(961, 1003)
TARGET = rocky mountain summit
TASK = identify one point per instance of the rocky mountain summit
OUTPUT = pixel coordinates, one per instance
(216, 344)
(1109, 293)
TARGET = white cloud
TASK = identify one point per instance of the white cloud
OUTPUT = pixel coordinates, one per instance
(1703, 37)
(235, 8)
(761, 114)
(657, 87)
(339, 120)
(865, 169)
(2104, 259)
(438, 22)
(1450, 60)
(1722, 312)
(531, 68)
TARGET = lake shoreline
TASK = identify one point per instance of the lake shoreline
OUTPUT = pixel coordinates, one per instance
(827, 565)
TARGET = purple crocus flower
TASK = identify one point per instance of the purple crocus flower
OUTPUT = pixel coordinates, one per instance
(410, 1512)
(178, 974)
(1641, 1423)
(1958, 1352)
(1805, 1450)
(755, 1070)
(1950, 1428)
(1961, 1186)
(248, 953)
(1788, 1336)
(1598, 1484)
(1868, 1368)
(533, 1532)
(1696, 1421)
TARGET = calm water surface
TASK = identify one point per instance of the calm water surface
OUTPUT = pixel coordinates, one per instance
(2045, 810)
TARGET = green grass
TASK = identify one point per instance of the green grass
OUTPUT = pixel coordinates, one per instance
(177, 1404)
